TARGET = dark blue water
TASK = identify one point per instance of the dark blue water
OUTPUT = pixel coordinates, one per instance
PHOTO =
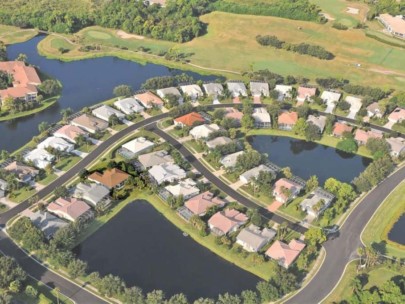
(309, 158)
(397, 233)
(142, 247)
(85, 83)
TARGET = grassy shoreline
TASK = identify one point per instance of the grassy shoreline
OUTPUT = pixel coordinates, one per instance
(11, 34)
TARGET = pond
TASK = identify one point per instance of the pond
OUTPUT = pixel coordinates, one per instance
(85, 82)
(142, 247)
(397, 233)
(309, 158)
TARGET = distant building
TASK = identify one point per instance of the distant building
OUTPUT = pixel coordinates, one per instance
(259, 89)
(287, 120)
(56, 143)
(285, 190)
(69, 133)
(203, 131)
(105, 112)
(394, 25)
(237, 88)
(186, 188)
(24, 173)
(361, 136)
(229, 161)
(253, 173)
(128, 106)
(164, 93)
(375, 109)
(329, 96)
(199, 204)
(234, 114)
(192, 90)
(40, 158)
(138, 145)
(90, 123)
(397, 145)
(219, 141)
(149, 100)
(94, 194)
(305, 94)
(319, 121)
(284, 91)
(316, 202)
(154, 159)
(110, 178)
(340, 128)
(261, 118)
(166, 173)
(253, 239)
(398, 115)
(285, 254)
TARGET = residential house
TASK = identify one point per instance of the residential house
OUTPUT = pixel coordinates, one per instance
(258, 89)
(253, 238)
(189, 120)
(316, 202)
(375, 109)
(149, 100)
(56, 143)
(397, 145)
(305, 94)
(105, 112)
(40, 158)
(166, 173)
(70, 209)
(110, 178)
(329, 96)
(226, 221)
(229, 161)
(234, 114)
(287, 120)
(355, 105)
(203, 131)
(25, 174)
(340, 128)
(199, 204)
(166, 92)
(219, 141)
(398, 115)
(213, 89)
(285, 254)
(261, 118)
(319, 121)
(137, 146)
(192, 90)
(128, 106)
(94, 194)
(154, 159)
(361, 136)
(284, 91)
(3, 187)
(253, 173)
(186, 188)
(237, 88)
(89, 123)
(44, 221)
(161, 3)
(394, 24)
(286, 190)
(70, 133)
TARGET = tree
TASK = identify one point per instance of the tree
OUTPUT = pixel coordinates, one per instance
(155, 297)
(4, 154)
(247, 122)
(264, 181)
(10, 273)
(300, 127)
(43, 126)
(312, 132)
(61, 191)
(31, 292)
(66, 113)
(227, 298)
(249, 160)
(347, 145)
(287, 172)
(123, 91)
(204, 301)
(250, 297)
(315, 236)
(267, 291)
(49, 87)
(378, 147)
(22, 57)
(76, 268)
(113, 120)
(330, 121)
(312, 183)
(178, 299)
(303, 111)
(133, 295)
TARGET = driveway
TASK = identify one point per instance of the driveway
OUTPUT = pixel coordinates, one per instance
(330, 106)
(389, 125)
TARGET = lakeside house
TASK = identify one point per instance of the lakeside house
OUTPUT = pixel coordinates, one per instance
(305, 94)
(286, 190)
(192, 90)
(252, 238)
(261, 118)
(199, 204)
(149, 100)
(110, 178)
(258, 89)
(25, 81)
(331, 99)
(237, 88)
(355, 105)
(213, 89)
(395, 25)
(284, 91)
(226, 221)
(218, 141)
(128, 106)
(285, 254)
(25, 174)
(397, 145)
(189, 120)
(339, 129)
(186, 188)
(203, 131)
(89, 123)
(3, 188)
(375, 109)
(253, 173)
(319, 121)
(287, 120)
(166, 173)
(167, 92)
(94, 194)
(56, 143)
(44, 221)
(361, 136)
(137, 146)
(229, 161)
(105, 112)
(396, 116)
(70, 133)
(40, 158)
(154, 159)
(234, 114)
(316, 202)
(70, 209)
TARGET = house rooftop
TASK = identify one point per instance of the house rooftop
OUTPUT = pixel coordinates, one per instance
(90, 122)
(397, 144)
(340, 128)
(234, 114)
(190, 119)
(155, 158)
(219, 141)
(70, 132)
(259, 88)
(170, 91)
(56, 143)
(186, 188)
(128, 105)
(166, 172)
(93, 193)
(305, 92)
(397, 115)
(255, 238)
(254, 172)
(104, 112)
(319, 121)
(229, 160)
(285, 254)
(397, 23)
(110, 177)
(226, 220)
(213, 88)
(363, 136)
(148, 99)
(203, 131)
(138, 145)
(330, 96)
(45, 221)
(260, 115)
(288, 118)
(201, 203)
(70, 207)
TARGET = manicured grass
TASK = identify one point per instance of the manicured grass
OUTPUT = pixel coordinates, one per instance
(58, 43)
(87, 148)
(264, 199)
(293, 208)
(120, 127)
(381, 223)
(67, 162)
(176, 133)
(12, 34)
(195, 145)
(21, 195)
(49, 179)
(399, 127)
(3, 208)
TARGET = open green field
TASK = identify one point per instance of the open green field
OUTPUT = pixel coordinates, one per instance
(381, 223)
(12, 34)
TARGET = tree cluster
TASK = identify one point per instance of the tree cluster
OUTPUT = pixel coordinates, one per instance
(12, 276)
(375, 93)
(161, 82)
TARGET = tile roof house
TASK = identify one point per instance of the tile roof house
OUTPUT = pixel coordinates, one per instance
(395, 25)
(219, 141)
(187, 188)
(167, 172)
(305, 94)
(340, 128)
(110, 178)
(319, 121)
(329, 96)
(229, 161)
(40, 158)
(253, 239)
(89, 123)
(284, 91)
(285, 254)
(94, 194)
(237, 88)
(234, 114)
(199, 204)
(375, 109)
(189, 119)
(397, 145)
(192, 90)
(316, 202)
(259, 89)
(128, 106)
(203, 131)
(138, 145)
(285, 190)
(70, 209)
(44, 221)
(361, 136)
(25, 174)
(149, 100)
(226, 221)
(56, 143)
(105, 112)
(164, 93)
(398, 115)
(69, 132)
(253, 173)
(261, 118)
(155, 158)
(287, 120)
(213, 89)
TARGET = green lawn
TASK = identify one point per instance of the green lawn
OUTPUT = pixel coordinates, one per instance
(195, 145)
(67, 162)
(3, 208)
(21, 195)
(381, 223)
(120, 127)
(264, 199)
(293, 208)
(86, 148)
(399, 127)
(12, 34)
(48, 179)
(58, 43)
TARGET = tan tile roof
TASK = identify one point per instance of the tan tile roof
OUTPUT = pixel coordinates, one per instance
(201, 203)
(284, 253)
(340, 128)
(226, 220)
(110, 178)
(396, 23)
(70, 208)
(363, 136)
(70, 131)
(397, 115)
(149, 98)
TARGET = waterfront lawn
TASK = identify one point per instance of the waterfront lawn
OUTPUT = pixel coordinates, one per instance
(383, 220)
(48, 179)
(12, 34)
(22, 194)
(67, 162)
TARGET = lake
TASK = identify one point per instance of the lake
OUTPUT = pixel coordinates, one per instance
(309, 158)
(142, 247)
(397, 234)
(85, 82)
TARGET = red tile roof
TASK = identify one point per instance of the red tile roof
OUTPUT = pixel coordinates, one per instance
(201, 203)
(110, 178)
(363, 136)
(397, 115)
(189, 119)
(288, 118)
(285, 254)
(287, 184)
(341, 128)
(304, 92)
(148, 98)
(234, 113)
(226, 220)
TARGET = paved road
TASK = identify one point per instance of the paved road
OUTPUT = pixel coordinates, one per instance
(343, 249)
